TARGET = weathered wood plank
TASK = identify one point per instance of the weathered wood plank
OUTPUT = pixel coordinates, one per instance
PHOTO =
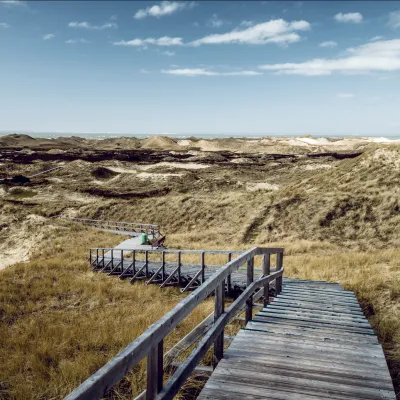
(309, 312)
(306, 344)
(302, 385)
(320, 324)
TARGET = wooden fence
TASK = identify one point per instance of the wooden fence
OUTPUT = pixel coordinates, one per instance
(150, 343)
(131, 227)
(142, 265)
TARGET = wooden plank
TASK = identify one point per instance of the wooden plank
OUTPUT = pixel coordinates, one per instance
(340, 319)
(316, 341)
(301, 385)
(310, 364)
(324, 324)
(220, 390)
(316, 306)
(317, 310)
(307, 350)
(320, 300)
(353, 377)
(296, 289)
(313, 328)
(272, 308)
(256, 350)
(307, 332)
(309, 294)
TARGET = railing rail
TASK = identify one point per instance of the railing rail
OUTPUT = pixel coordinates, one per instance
(150, 343)
(133, 227)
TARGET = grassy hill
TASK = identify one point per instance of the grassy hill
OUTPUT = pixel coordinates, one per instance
(60, 322)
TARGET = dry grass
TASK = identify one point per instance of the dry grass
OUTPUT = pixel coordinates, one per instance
(59, 322)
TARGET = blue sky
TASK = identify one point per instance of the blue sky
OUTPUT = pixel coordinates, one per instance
(200, 67)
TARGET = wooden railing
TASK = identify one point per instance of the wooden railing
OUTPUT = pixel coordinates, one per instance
(150, 343)
(131, 227)
(141, 265)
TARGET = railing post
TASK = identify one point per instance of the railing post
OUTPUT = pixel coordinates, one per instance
(146, 260)
(102, 254)
(122, 261)
(134, 262)
(154, 371)
(266, 270)
(112, 258)
(179, 268)
(202, 267)
(218, 311)
(249, 301)
(279, 264)
(163, 265)
(228, 279)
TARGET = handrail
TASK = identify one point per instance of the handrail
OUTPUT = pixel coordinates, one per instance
(132, 228)
(150, 343)
(115, 222)
(273, 251)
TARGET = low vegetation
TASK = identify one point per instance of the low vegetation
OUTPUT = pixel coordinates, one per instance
(60, 322)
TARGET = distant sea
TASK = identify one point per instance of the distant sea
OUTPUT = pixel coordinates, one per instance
(100, 136)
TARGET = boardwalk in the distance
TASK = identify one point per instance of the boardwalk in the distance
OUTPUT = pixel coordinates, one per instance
(311, 342)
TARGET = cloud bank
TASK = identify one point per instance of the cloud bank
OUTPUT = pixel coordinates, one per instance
(275, 31)
(378, 56)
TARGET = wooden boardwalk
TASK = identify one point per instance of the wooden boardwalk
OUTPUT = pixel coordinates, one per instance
(311, 342)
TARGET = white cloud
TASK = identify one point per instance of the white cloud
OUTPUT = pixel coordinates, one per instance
(4, 25)
(48, 36)
(162, 41)
(216, 22)
(114, 17)
(12, 3)
(345, 95)
(144, 71)
(275, 31)
(349, 17)
(378, 56)
(206, 72)
(246, 23)
(394, 19)
(329, 43)
(87, 25)
(375, 38)
(73, 41)
(164, 8)
(168, 53)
